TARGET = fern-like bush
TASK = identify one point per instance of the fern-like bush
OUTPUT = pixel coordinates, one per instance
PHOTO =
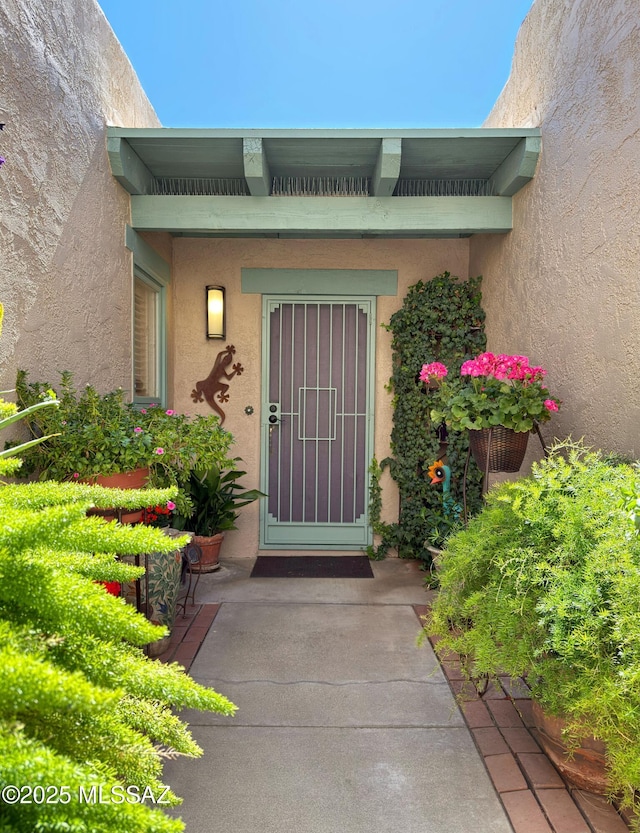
(440, 320)
(545, 582)
(80, 703)
(85, 716)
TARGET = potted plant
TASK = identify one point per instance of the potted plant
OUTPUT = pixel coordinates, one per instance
(95, 433)
(99, 437)
(216, 497)
(545, 583)
(500, 394)
(182, 443)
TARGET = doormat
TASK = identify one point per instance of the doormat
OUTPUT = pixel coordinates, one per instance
(312, 566)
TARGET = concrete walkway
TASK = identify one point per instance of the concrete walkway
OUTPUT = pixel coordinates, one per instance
(344, 725)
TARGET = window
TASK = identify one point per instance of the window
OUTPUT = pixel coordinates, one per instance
(151, 276)
(146, 339)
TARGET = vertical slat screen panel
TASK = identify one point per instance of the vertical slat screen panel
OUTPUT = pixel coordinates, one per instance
(318, 377)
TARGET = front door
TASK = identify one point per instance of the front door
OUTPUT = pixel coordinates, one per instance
(317, 421)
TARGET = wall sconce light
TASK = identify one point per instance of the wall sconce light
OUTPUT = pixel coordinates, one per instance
(215, 312)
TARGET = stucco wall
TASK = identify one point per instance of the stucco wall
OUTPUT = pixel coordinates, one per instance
(65, 276)
(199, 262)
(564, 285)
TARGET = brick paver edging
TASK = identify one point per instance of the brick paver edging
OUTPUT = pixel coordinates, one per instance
(533, 793)
(188, 633)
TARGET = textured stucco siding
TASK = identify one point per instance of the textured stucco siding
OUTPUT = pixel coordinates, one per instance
(65, 276)
(564, 285)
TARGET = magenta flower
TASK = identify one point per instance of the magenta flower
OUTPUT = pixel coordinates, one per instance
(472, 368)
(76, 475)
(159, 451)
(137, 430)
(143, 410)
(513, 390)
(169, 412)
(433, 371)
(170, 505)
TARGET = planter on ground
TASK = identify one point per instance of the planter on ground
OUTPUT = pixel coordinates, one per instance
(204, 553)
(582, 764)
(155, 594)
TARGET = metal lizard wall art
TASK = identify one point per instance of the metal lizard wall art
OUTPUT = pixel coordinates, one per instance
(214, 387)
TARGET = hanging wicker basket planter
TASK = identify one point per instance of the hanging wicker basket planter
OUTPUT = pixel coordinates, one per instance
(506, 448)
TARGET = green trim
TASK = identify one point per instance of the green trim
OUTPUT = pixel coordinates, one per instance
(369, 282)
(319, 536)
(379, 216)
(128, 168)
(146, 257)
(324, 537)
(161, 323)
(256, 167)
(320, 133)
(387, 168)
(518, 168)
(152, 269)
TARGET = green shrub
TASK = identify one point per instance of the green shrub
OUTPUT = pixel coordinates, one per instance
(545, 582)
(83, 712)
(440, 320)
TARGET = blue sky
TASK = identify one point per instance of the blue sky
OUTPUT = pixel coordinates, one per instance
(332, 63)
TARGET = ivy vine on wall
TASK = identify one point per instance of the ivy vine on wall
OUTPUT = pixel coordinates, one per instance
(440, 320)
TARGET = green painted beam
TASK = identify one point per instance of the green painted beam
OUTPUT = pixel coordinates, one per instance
(256, 167)
(387, 170)
(319, 281)
(518, 168)
(382, 216)
(321, 133)
(128, 168)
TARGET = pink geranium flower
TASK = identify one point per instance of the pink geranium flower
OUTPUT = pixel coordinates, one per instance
(503, 390)
(159, 451)
(137, 430)
(435, 370)
(170, 505)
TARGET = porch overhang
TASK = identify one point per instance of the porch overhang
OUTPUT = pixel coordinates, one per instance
(323, 183)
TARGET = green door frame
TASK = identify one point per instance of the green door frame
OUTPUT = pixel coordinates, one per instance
(330, 536)
(356, 285)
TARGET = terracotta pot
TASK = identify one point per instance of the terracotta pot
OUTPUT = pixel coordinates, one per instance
(136, 479)
(506, 452)
(209, 553)
(584, 766)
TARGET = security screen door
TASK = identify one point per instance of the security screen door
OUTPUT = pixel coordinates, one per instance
(317, 420)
